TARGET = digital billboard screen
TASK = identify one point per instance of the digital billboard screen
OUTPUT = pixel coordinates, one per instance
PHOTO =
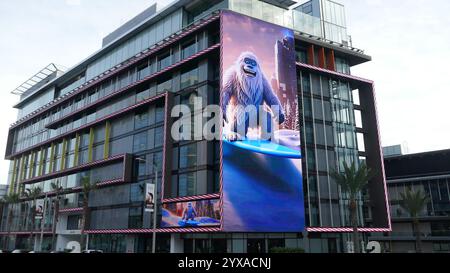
(191, 214)
(261, 155)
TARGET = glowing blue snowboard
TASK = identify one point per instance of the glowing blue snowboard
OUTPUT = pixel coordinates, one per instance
(266, 147)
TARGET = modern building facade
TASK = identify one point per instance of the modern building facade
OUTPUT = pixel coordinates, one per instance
(395, 150)
(107, 121)
(3, 194)
(427, 172)
(3, 191)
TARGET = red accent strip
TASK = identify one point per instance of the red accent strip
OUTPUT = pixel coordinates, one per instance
(192, 198)
(346, 229)
(347, 76)
(160, 230)
(68, 210)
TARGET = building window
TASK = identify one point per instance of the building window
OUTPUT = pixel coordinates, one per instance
(189, 78)
(441, 247)
(122, 81)
(342, 66)
(188, 49)
(159, 114)
(93, 96)
(143, 71)
(157, 159)
(159, 137)
(164, 61)
(135, 218)
(73, 222)
(140, 142)
(275, 243)
(306, 83)
(188, 156)
(141, 120)
(302, 56)
(142, 94)
(137, 192)
(187, 184)
(165, 86)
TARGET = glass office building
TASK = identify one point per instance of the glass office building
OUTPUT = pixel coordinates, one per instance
(429, 173)
(107, 121)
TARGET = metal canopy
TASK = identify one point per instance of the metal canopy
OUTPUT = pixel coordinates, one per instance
(37, 78)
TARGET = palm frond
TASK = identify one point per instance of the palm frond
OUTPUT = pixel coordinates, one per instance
(12, 198)
(56, 186)
(413, 201)
(353, 179)
(34, 193)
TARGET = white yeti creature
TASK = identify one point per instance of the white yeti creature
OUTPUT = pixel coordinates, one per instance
(245, 84)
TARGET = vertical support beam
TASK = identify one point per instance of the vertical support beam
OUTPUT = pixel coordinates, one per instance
(107, 135)
(22, 168)
(31, 167)
(91, 144)
(377, 185)
(13, 177)
(77, 148)
(310, 55)
(41, 162)
(63, 154)
(128, 168)
(321, 57)
(331, 62)
(167, 150)
(52, 157)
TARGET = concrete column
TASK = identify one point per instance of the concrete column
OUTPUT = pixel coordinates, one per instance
(130, 243)
(176, 243)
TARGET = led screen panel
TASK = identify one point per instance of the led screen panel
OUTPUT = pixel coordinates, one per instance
(191, 214)
(261, 155)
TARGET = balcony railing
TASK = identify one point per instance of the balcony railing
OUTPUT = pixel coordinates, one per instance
(296, 20)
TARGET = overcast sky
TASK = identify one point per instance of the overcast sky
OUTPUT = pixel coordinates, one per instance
(408, 40)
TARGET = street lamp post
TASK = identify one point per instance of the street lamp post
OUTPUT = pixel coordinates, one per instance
(44, 211)
(155, 168)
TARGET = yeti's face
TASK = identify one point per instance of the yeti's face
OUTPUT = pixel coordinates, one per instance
(249, 67)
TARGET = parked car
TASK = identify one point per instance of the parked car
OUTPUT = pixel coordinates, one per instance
(20, 251)
(92, 251)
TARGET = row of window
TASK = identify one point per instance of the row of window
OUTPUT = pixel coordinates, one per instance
(341, 64)
(149, 66)
(100, 174)
(64, 152)
(329, 140)
(437, 191)
(187, 78)
(137, 133)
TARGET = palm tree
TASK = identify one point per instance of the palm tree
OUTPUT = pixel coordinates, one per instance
(57, 189)
(414, 202)
(352, 181)
(33, 194)
(87, 188)
(10, 199)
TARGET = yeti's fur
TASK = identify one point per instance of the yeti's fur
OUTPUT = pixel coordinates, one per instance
(240, 89)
